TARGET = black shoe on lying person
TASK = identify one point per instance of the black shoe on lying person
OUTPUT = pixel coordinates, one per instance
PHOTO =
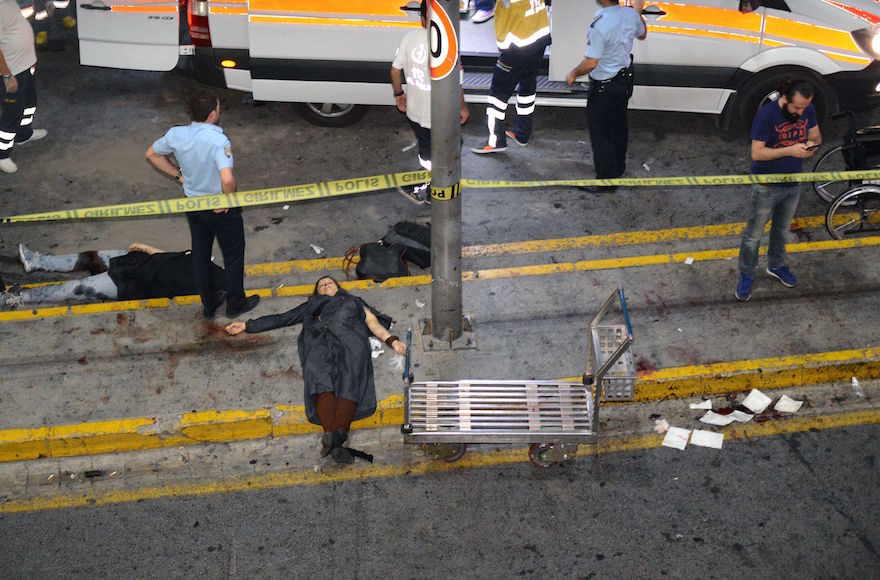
(249, 304)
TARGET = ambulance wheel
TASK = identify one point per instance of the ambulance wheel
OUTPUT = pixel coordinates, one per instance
(540, 455)
(331, 114)
(761, 89)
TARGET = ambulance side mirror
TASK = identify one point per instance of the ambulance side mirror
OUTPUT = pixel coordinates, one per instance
(746, 6)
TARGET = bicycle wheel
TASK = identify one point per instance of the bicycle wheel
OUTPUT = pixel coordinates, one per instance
(831, 160)
(860, 216)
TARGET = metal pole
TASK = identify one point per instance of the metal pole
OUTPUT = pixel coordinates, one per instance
(446, 310)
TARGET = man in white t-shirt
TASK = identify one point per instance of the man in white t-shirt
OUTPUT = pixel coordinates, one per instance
(18, 60)
(411, 61)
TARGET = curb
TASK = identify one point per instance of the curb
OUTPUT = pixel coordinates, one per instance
(142, 433)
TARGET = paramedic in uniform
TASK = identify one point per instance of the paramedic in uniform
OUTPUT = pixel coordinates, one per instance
(18, 60)
(522, 30)
(608, 61)
(205, 157)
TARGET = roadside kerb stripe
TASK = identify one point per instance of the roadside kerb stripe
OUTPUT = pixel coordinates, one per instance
(141, 433)
(466, 276)
(471, 460)
(344, 187)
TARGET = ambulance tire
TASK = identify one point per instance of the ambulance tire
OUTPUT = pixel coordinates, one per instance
(758, 91)
(331, 114)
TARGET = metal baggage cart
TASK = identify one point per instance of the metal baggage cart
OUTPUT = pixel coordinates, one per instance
(553, 416)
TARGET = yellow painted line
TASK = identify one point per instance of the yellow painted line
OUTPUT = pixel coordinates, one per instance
(423, 280)
(471, 460)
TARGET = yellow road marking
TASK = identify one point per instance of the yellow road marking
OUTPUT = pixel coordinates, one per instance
(471, 460)
(494, 273)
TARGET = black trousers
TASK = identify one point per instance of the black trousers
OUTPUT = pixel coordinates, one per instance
(228, 228)
(17, 113)
(515, 70)
(606, 119)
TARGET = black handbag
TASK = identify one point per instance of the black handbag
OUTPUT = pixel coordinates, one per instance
(377, 261)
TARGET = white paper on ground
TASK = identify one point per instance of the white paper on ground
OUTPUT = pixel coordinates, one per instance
(713, 418)
(688, 260)
(741, 417)
(707, 404)
(757, 401)
(661, 426)
(318, 249)
(676, 438)
(786, 404)
(707, 438)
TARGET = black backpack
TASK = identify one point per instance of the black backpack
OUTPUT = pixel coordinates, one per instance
(415, 237)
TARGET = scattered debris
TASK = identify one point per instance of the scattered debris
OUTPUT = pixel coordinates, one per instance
(857, 388)
(787, 405)
(677, 438)
(647, 164)
(376, 353)
(94, 473)
(713, 418)
(680, 330)
(661, 426)
(705, 404)
(689, 261)
(318, 249)
(741, 417)
(420, 304)
(757, 401)
(408, 147)
(285, 207)
(707, 438)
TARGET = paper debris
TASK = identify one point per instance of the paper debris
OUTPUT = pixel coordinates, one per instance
(676, 438)
(786, 404)
(707, 438)
(707, 404)
(857, 388)
(318, 249)
(647, 164)
(375, 343)
(757, 401)
(396, 362)
(713, 418)
(680, 330)
(408, 147)
(420, 304)
(376, 353)
(688, 260)
(661, 426)
(285, 207)
(741, 417)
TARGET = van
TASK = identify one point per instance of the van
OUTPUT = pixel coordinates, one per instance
(721, 57)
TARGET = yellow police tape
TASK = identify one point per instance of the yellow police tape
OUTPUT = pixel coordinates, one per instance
(342, 187)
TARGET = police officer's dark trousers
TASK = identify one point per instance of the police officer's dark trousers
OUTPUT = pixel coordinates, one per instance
(229, 231)
(515, 66)
(606, 119)
(17, 113)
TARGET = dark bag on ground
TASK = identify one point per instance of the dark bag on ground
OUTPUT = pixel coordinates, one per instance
(415, 237)
(377, 261)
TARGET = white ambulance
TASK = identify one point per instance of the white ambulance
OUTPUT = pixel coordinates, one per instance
(721, 57)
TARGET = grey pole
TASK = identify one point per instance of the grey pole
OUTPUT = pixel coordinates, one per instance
(446, 309)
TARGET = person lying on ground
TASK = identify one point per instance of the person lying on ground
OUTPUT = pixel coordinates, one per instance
(140, 272)
(334, 350)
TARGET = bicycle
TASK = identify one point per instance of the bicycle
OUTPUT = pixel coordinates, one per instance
(860, 150)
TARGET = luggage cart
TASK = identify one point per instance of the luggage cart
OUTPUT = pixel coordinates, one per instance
(554, 416)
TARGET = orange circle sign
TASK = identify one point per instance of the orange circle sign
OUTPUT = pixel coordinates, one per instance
(444, 43)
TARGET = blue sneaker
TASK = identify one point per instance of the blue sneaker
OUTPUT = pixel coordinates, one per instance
(784, 275)
(744, 288)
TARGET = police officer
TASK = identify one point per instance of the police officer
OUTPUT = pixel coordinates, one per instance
(205, 157)
(608, 61)
(522, 31)
(18, 61)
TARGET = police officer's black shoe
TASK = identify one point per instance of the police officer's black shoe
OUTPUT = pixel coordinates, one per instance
(249, 304)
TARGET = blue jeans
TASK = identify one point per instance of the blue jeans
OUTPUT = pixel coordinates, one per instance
(486, 5)
(89, 289)
(776, 203)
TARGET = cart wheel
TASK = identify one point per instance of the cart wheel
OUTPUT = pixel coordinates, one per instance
(540, 454)
(448, 452)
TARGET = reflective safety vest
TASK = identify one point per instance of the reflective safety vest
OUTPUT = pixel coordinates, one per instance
(522, 23)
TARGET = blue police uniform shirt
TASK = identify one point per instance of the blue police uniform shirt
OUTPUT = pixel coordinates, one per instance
(610, 39)
(202, 150)
(771, 127)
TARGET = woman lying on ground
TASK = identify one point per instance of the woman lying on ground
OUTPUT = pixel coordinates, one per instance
(334, 350)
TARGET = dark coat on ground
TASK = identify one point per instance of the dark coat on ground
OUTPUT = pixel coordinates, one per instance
(334, 348)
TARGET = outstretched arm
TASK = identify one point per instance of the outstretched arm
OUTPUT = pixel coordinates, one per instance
(270, 322)
(379, 332)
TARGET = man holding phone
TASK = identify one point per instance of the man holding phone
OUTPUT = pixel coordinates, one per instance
(784, 133)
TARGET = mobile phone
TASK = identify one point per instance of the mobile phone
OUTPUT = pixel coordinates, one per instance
(813, 147)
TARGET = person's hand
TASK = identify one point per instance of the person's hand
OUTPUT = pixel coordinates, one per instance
(234, 328)
(465, 114)
(224, 210)
(801, 151)
(570, 78)
(638, 5)
(11, 85)
(400, 101)
(135, 247)
(399, 347)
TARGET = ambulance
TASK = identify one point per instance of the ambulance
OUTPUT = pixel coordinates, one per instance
(720, 57)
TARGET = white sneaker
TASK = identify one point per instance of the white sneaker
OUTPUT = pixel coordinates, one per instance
(36, 136)
(7, 166)
(481, 16)
(29, 258)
